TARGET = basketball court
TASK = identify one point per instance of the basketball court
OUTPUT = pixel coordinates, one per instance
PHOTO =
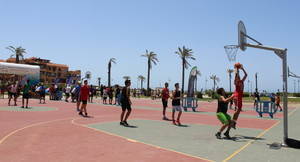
(54, 132)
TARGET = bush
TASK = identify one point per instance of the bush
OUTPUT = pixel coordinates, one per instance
(199, 95)
(296, 94)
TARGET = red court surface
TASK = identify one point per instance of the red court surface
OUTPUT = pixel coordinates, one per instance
(61, 135)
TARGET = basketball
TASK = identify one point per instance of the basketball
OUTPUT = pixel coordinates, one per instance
(238, 65)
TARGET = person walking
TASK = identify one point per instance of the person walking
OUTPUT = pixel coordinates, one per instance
(77, 95)
(176, 97)
(126, 103)
(164, 97)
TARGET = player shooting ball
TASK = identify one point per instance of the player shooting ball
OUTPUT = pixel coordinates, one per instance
(239, 90)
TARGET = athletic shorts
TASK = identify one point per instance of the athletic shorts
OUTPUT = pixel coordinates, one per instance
(26, 95)
(84, 102)
(165, 103)
(239, 101)
(224, 118)
(12, 94)
(67, 94)
(126, 106)
(77, 98)
(277, 104)
(42, 94)
(177, 108)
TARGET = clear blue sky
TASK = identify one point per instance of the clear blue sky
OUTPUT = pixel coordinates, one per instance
(85, 34)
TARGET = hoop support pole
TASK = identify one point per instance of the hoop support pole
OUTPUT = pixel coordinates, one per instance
(282, 53)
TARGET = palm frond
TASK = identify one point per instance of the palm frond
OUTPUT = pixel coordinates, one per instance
(112, 60)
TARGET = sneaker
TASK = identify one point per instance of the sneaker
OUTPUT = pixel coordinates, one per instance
(165, 118)
(86, 114)
(218, 135)
(22, 106)
(226, 134)
(233, 125)
(125, 123)
(174, 122)
(178, 122)
(80, 113)
(121, 123)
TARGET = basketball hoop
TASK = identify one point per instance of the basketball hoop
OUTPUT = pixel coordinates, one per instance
(231, 51)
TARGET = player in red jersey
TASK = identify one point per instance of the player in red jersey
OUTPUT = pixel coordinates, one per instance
(239, 90)
(165, 96)
(84, 96)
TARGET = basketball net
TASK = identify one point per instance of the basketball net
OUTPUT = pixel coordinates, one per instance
(231, 51)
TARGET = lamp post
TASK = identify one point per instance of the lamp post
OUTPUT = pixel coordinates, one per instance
(99, 81)
(298, 86)
(256, 89)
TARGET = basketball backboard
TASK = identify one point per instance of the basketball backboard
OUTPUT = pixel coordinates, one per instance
(242, 39)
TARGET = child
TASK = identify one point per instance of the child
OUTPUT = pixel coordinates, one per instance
(239, 90)
(126, 103)
(176, 97)
(222, 115)
(277, 101)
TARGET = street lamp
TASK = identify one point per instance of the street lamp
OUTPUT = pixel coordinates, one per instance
(256, 89)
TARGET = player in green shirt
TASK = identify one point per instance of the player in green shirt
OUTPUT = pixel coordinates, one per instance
(26, 95)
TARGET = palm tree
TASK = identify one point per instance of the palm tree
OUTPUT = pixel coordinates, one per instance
(111, 60)
(215, 80)
(152, 58)
(126, 77)
(230, 71)
(17, 51)
(184, 54)
(142, 79)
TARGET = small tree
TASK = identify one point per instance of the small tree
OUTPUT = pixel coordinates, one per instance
(215, 80)
(142, 79)
(151, 58)
(17, 52)
(185, 54)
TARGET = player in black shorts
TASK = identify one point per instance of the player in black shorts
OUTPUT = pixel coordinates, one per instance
(126, 103)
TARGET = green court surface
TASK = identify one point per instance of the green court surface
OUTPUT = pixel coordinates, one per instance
(33, 108)
(193, 139)
(260, 150)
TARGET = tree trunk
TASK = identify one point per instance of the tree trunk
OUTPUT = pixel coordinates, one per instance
(109, 68)
(142, 83)
(17, 58)
(148, 78)
(182, 86)
(230, 82)
(214, 85)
